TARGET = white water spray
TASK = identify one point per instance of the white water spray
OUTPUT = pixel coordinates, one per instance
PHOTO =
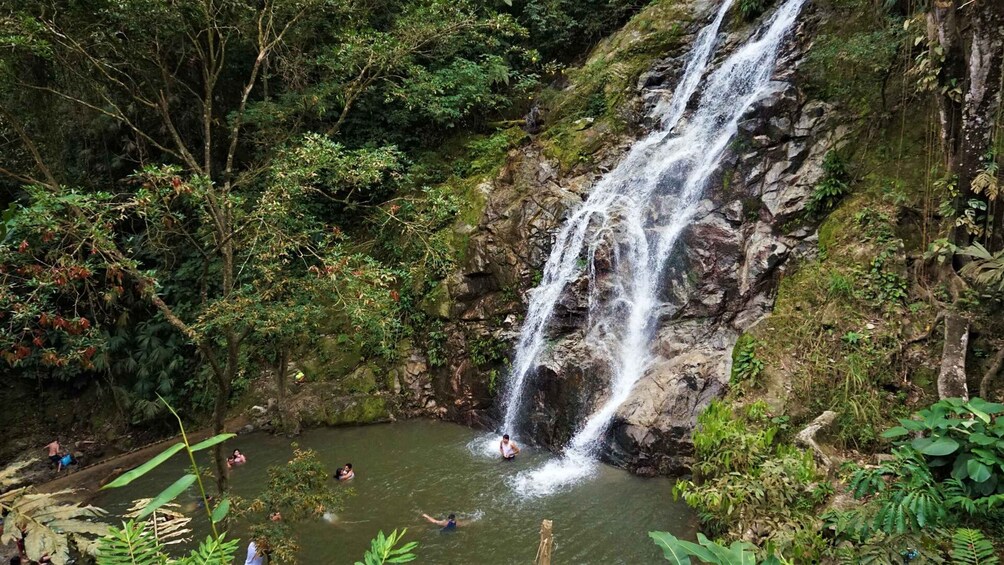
(636, 213)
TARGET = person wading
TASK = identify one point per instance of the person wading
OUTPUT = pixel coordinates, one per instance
(508, 448)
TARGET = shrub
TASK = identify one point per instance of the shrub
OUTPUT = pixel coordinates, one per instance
(746, 366)
(750, 9)
(745, 482)
(832, 187)
(965, 437)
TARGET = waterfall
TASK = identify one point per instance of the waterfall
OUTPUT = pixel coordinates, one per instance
(636, 213)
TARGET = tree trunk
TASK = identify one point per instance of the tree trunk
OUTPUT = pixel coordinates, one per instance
(952, 378)
(546, 547)
(988, 378)
(281, 372)
(943, 28)
(807, 437)
(983, 97)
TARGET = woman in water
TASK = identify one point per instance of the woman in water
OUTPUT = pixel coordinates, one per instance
(237, 458)
(345, 473)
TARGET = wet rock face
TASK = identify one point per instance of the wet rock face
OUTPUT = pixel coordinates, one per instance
(749, 228)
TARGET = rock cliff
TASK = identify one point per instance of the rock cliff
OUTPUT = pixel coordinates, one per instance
(751, 226)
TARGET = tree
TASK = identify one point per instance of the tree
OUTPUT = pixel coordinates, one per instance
(225, 225)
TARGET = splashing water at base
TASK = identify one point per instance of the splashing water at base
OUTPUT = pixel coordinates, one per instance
(637, 212)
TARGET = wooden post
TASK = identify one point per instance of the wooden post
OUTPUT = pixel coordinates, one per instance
(546, 544)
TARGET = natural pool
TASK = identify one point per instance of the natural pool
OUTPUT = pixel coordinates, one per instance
(407, 468)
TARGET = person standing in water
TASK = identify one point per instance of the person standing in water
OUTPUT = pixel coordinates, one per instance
(448, 525)
(508, 448)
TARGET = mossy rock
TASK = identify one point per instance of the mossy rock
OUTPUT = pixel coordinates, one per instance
(362, 380)
(332, 359)
(362, 409)
(437, 302)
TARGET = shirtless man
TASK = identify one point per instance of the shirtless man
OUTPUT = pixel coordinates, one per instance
(54, 455)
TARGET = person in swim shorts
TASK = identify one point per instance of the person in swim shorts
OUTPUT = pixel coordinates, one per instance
(54, 455)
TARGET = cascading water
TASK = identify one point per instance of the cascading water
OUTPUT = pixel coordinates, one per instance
(638, 211)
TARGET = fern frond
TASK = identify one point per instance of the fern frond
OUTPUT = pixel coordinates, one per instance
(212, 552)
(130, 545)
(970, 547)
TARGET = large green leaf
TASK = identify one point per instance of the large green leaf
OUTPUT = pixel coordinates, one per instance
(212, 441)
(220, 512)
(169, 494)
(672, 549)
(145, 468)
(984, 406)
(739, 553)
(982, 439)
(898, 431)
(939, 447)
(977, 470)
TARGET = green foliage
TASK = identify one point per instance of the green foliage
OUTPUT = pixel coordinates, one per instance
(908, 503)
(852, 57)
(986, 269)
(934, 481)
(679, 551)
(966, 437)
(880, 282)
(133, 545)
(299, 490)
(383, 550)
(751, 9)
(435, 344)
(486, 350)
(833, 186)
(215, 545)
(746, 366)
(971, 547)
(744, 480)
(562, 28)
(485, 155)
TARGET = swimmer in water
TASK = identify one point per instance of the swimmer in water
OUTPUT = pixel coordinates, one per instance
(448, 525)
(345, 473)
(237, 458)
(508, 448)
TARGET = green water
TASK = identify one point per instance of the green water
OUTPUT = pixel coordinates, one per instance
(406, 468)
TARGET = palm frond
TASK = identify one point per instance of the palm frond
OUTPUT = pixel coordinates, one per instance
(986, 269)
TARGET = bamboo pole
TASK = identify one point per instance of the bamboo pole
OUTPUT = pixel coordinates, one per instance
(546, 544)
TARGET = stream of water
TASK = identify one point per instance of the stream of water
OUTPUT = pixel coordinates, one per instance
(635, 214)
(407, 468)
